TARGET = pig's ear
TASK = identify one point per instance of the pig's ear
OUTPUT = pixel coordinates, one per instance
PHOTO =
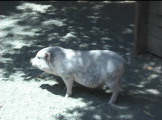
(48, 56)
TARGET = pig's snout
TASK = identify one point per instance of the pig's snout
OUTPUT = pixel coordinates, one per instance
(31, 60)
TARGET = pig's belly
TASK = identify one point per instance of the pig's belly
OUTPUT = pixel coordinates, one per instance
(89, 81)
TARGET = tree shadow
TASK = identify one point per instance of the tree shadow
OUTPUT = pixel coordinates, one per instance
(32, 28)
(27, 27)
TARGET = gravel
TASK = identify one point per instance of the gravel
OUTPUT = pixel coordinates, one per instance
(30, 94)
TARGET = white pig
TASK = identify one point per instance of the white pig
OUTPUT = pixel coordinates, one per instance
(92, 68)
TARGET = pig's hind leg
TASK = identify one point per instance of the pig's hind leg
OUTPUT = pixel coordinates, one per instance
(115, 88)
(114, 83)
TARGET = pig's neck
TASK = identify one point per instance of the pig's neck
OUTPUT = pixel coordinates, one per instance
(51, 70)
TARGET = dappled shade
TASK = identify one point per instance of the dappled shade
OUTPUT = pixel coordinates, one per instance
(26, 27)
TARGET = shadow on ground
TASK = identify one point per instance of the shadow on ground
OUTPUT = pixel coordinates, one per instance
(27, 27)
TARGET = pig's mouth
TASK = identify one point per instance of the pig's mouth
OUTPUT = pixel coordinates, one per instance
(34, 66)
(31, 62)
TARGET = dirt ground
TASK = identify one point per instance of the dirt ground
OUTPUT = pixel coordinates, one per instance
(30, 94)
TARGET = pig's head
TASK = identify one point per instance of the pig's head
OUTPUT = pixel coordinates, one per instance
(42, 60)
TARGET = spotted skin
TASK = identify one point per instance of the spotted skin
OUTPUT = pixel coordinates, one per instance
(92, 68)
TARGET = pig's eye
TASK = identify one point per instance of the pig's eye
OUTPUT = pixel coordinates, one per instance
(39, 57)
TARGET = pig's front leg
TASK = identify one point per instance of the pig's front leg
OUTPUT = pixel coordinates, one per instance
(69, 85)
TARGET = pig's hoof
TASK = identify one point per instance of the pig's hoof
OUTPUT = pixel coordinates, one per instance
(66, 96)
(111, 102)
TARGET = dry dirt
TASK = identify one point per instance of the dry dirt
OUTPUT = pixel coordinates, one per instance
(29, 94)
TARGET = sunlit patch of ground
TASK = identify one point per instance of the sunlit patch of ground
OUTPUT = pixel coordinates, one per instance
(30, 94)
